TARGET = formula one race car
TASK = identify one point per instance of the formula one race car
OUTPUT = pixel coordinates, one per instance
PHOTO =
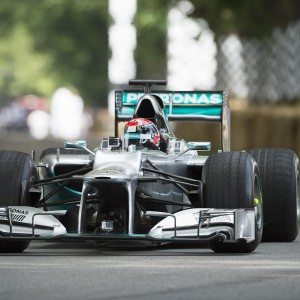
(148, 187)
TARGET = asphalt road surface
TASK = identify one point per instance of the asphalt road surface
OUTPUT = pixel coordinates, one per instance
(78, 271)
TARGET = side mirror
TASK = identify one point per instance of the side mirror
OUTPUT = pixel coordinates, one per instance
(76, 145)
(199, 146)
(79, 145)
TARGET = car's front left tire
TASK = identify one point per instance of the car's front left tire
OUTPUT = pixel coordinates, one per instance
(16, 168)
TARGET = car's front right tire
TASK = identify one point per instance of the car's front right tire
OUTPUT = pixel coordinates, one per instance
(231, 180)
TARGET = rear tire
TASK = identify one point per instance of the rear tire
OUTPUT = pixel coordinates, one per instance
(15, 168)
(280, 184)
(231, 180)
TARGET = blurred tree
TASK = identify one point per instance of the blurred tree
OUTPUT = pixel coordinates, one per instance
(254, 19)
(23, 70)
(71, 34)
(45, 44)
(151, 22)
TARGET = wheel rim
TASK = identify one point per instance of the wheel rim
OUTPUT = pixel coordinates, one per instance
(258, 207)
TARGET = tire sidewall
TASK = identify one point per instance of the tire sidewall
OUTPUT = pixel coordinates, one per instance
(245, 199)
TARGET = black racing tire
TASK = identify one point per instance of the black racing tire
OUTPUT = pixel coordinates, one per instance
(280, 188)
(231, 180)
(15, 168)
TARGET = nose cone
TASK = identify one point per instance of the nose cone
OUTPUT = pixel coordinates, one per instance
(115, 165)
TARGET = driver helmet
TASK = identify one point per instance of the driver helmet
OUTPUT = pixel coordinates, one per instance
(142, 133)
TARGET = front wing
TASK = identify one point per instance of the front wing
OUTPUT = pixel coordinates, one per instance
(188, 226)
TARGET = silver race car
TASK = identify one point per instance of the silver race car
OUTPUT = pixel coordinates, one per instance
(144, 186)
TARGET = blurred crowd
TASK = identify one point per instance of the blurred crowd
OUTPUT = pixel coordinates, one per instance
(62, 116)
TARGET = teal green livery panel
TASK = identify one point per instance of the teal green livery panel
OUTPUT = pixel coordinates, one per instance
(181, 103)
(193, 110)
(177, 98)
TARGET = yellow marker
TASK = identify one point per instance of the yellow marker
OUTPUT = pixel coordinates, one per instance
(256, 202)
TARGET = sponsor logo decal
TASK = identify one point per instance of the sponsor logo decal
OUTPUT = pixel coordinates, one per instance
(137, 136)
(178, 98)
(18, 215)
(112, 170)
(132, 135)
(19, 211)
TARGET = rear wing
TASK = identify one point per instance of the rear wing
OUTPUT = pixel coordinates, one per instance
(209, 106)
